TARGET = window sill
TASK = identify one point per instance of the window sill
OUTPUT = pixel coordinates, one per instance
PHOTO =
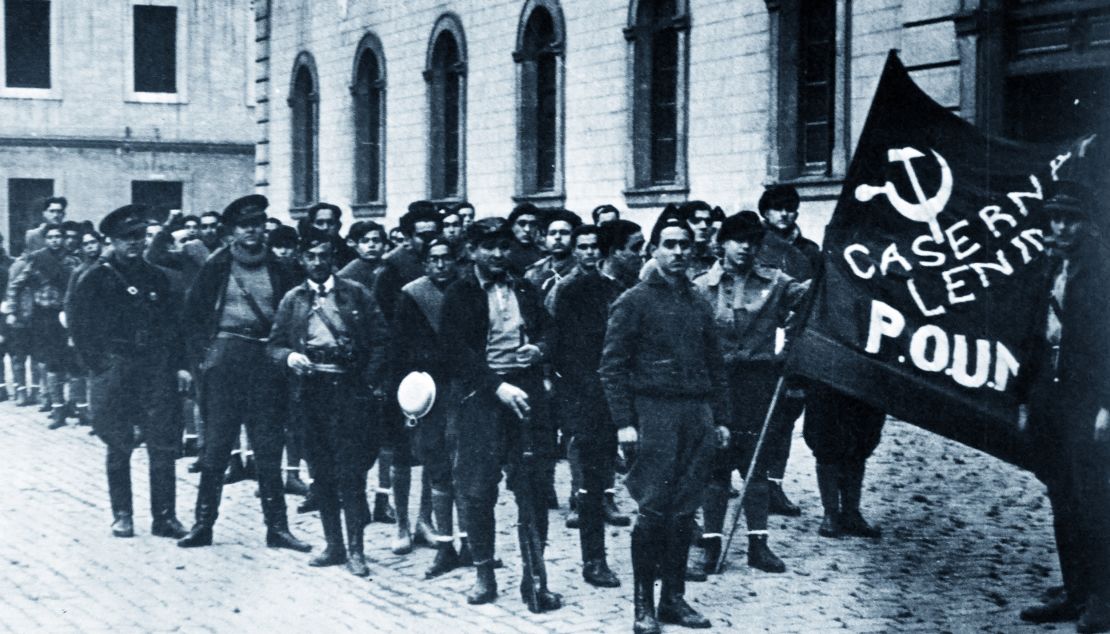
(46, 94)
(814, 188)
(656, 196)
(156, 97)
(543, 200)
(368, 210)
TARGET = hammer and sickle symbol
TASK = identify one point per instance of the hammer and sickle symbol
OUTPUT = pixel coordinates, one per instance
(925, 209)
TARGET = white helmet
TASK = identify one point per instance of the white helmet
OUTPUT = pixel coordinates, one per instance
(416, 395)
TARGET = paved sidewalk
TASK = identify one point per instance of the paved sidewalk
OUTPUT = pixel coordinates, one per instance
(967, 542)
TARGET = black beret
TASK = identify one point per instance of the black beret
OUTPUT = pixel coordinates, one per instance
(244, 210)
(564, 215)
(1069, 197)
(72, 225)
(670, 217)
(689, 208)
(745, 226)
(312, 237)
(283, 236)
(487, 229)
(525, 209)
(125, 220)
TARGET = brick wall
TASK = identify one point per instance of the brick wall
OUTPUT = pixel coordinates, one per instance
(728, 105)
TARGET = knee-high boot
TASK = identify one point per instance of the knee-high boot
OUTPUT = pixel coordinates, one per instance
(851, 489)
(424, 533)
(756, 509)
(672, 604)
(647, 543)
(118, 467)
(356, 562)
(714, 510)
(163, 495)
(402, 484)
(828, 485)
(207, 509)
(334, 554)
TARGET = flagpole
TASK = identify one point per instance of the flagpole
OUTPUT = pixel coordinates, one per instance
(751, 471)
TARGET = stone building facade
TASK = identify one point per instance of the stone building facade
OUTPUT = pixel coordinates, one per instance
(107, 103)
(574, 103)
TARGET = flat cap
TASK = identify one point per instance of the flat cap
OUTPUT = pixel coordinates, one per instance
(125, 220)
(312, 237)
(245, 210)
(745, 226)
(487, 229)
(1069, 198)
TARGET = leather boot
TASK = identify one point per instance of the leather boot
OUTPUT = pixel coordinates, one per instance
(711, 548)
(1058, 609)
(446, 558)
(122, 526)
(714, 510)
(647, 543)
(760, 556)
(57, 417)
(163, 496)
(613, 515)
(851, 489)
(779, 503)
(596, 572)
(672, 604)
(334, 553)
(828, 484)
(484, 589)
(356, 562)
(383, 513)
(538, 599)
(293, 483)
(207, 509)
(278, 534)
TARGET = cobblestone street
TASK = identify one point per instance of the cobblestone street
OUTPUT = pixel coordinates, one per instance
(967, 541)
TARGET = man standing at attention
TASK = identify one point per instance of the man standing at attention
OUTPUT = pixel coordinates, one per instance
(665, 383)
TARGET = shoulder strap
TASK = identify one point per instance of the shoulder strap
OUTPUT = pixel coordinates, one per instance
(252, 303)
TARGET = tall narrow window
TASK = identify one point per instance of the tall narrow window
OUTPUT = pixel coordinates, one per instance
(27, 44)
(446, 77)
(368, 91)
(304, 120)
(539, 58)
(816, 81)
(155, 48)
(25, 204)
(658, 57)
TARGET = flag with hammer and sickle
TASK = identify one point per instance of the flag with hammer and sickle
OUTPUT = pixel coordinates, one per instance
(935, 264)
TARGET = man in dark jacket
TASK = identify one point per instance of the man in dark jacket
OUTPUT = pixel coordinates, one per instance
(524, 222)
(494, 332)
(580, 313)
(665, 383)
(126, 329)
(1069, 423)
(330, 334)
(228, 315)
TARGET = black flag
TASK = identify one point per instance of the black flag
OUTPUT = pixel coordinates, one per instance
(934, 262)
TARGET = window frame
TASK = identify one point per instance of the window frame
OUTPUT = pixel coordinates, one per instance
(642, 191)
(54, 92)
(527, 134)
(784, 161)
(447, 24)
(181, 54)
(375, 206)
(304, 61)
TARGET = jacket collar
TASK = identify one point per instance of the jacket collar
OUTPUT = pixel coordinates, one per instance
(717, 273)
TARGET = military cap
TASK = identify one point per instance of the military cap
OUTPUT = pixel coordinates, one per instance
(312, 237)
(245, 210)
(125, 220)
(745, 226)
(1069, 198)
(283, 236)
(487, 229)
(564, 215)
(670, 217)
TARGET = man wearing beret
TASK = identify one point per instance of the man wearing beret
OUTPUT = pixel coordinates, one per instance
(494, 331)
(229, 311)
(126, 329)
(45, 276)
(330, 335)
(750, 302)
(666, 387)
(1069, 423)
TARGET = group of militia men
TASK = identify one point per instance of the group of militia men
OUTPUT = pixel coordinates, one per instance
(544, 335)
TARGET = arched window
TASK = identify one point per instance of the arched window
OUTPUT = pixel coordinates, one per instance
(368, 92)
(539, 58)
(445, 74)
(304, 101)
(657, 36)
